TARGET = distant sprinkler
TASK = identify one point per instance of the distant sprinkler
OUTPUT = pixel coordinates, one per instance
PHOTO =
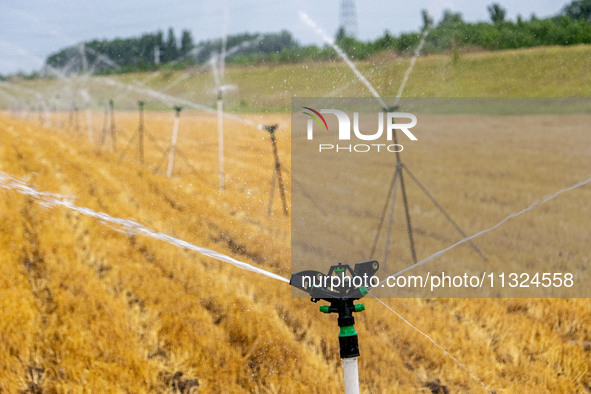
(173, 149)
(112, 122)
(277, 170)
(76, 110)
(221, 139)
(40, 113)
(139, 136)
(103, 136)
(40, 110)
(71, 117)
(58, 109)
(175, 130)
(398, 179)
(141, 132)
(84, 60)
(73, 122)
(89, 127)
(219, 86)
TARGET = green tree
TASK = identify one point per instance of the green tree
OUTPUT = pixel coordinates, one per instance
(450, 19)
(497, 13)
(384, 43)
(170, 48)
(427, 20)
(186, 42)
(578, 9)
(340, 34)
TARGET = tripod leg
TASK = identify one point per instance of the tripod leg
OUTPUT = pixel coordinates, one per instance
(281, 188)
(270, 206)
(162, 160)
(408, 223)
(182, 156)
(391, 220)
(307, 195)
(399, 165)
(299, 186)
(386, 203)
(445, 214)
(155, 142)
(103, 136)
(127, 146)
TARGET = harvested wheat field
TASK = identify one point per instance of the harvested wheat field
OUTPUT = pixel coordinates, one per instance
(87, 307)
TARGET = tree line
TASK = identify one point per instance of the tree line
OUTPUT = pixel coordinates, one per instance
(572, 26)
(152, 50)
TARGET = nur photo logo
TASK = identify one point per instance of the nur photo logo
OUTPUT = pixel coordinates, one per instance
(351, 131)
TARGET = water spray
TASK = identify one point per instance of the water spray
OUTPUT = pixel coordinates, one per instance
(328, 40)
(341, 287)
(125, 226)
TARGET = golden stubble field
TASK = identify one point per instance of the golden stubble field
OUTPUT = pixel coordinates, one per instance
(86, 308)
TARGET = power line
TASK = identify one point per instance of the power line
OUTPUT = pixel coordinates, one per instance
(348, 18)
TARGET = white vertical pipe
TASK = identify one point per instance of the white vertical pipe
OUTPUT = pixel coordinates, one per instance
(89, 123)
(175, 130)
(46, 122)
(48, 116)
(351, 375)
(221, 139)
(58, 111)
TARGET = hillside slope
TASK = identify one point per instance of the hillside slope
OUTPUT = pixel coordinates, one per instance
(535, 72)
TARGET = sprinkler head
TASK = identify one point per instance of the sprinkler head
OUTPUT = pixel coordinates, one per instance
(340, 287)
(342, 282)
(392, 108)
(270, 128)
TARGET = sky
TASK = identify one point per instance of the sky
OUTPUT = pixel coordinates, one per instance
(30, 30)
